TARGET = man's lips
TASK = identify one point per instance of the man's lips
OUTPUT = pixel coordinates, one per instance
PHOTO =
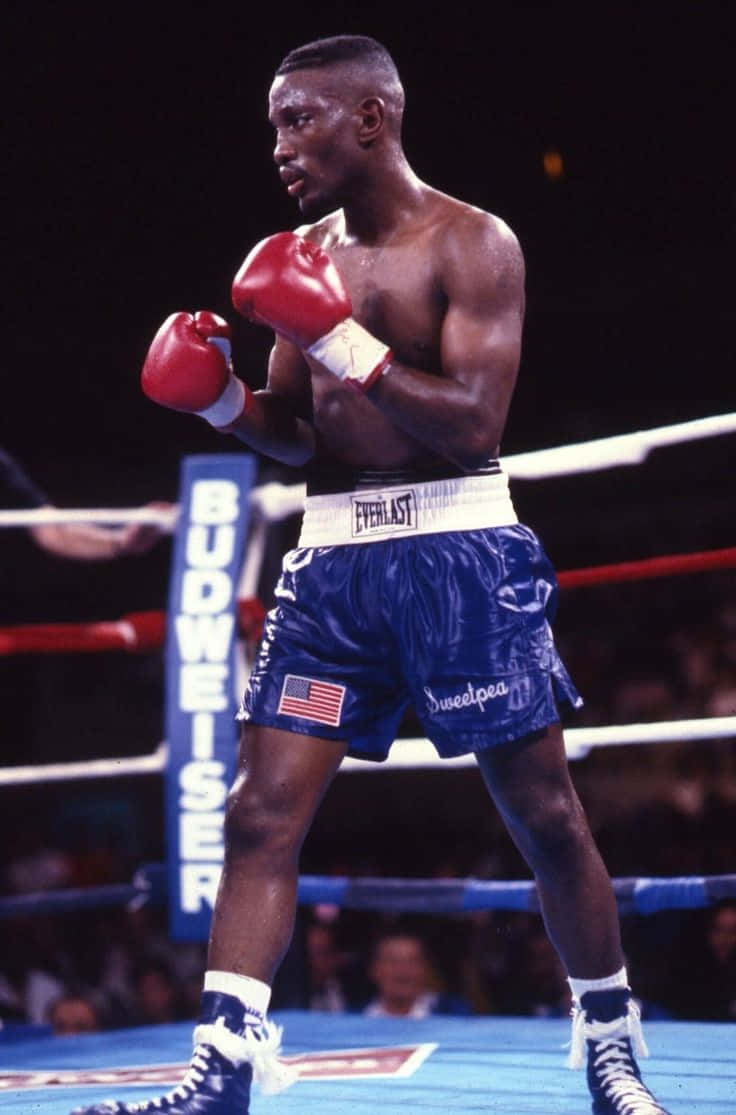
(293, 180)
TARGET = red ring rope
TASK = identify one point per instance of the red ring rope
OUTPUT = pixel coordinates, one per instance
(137, 632)
(668, 566)
(142, 632)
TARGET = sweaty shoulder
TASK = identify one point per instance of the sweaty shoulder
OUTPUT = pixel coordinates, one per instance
(322, 232)
(478, 248)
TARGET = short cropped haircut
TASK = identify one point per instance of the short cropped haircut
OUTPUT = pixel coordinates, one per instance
(359, 51)
(340, 48)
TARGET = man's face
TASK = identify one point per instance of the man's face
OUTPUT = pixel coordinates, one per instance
(316, 138)
(400, 969)
(73, 1016)
(722, 935)
(324, 959)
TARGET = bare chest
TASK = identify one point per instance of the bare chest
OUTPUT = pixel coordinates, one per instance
(395, 295)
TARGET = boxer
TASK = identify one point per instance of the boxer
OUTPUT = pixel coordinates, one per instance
(397, 312)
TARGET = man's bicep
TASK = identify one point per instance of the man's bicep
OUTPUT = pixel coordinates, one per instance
(476, 344)
(482, 328)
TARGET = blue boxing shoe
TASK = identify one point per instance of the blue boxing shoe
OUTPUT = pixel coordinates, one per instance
(212, 1084)
(228, 1055)
(608, 1024)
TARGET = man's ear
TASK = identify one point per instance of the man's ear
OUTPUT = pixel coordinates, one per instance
(372, 116)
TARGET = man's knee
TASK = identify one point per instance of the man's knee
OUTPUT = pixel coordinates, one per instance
(258, 817)
(553, 829)
(281, 780)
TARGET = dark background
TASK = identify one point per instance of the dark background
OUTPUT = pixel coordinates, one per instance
(139, 173)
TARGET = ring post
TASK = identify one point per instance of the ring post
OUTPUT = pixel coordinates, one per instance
(200, 679)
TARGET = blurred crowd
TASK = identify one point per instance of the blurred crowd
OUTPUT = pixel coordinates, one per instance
(97, 970)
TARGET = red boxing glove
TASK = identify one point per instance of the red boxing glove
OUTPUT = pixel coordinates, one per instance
(188, 367)
(293, 286)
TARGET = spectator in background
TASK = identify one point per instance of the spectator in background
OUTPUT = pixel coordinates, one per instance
(325, 961)
(79, 541)
(156, 994)
(74, 1013)
(649, 686)
(12, 1007)
(509, 967)
(536, 981)
(406, 983)
(702, 981)
(138, 943)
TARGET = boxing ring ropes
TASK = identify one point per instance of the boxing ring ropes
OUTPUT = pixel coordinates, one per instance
(500, 1050)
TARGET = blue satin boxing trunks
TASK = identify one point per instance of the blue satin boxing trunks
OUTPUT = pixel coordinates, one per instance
(430, 594)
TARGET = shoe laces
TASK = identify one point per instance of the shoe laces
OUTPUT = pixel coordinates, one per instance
(195, 1074)
(627, 1026)
(618, 1080)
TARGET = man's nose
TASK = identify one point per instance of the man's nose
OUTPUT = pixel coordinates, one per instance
(284, 150)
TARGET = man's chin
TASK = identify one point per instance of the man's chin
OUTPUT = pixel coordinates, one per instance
(312, 206)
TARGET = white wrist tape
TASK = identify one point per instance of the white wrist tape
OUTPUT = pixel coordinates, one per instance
(352, 353)
(229, 406)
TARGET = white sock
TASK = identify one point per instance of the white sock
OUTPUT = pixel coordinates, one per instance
(252, 993)
(618, 981)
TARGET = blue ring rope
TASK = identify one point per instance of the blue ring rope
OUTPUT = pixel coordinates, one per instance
(423, 896)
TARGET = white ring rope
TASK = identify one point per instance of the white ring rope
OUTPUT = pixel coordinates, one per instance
(165, 518)
(406, 754)
(276, 501)
(609, 452)
(155, 763)
(412, 754)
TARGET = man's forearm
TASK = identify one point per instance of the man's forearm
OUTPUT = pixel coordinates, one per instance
(271, 427)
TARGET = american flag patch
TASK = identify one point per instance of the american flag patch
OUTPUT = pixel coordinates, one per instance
(308, 699)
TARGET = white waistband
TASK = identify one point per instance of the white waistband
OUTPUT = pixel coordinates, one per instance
(399, 511)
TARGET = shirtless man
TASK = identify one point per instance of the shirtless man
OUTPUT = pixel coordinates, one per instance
(398, 318)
